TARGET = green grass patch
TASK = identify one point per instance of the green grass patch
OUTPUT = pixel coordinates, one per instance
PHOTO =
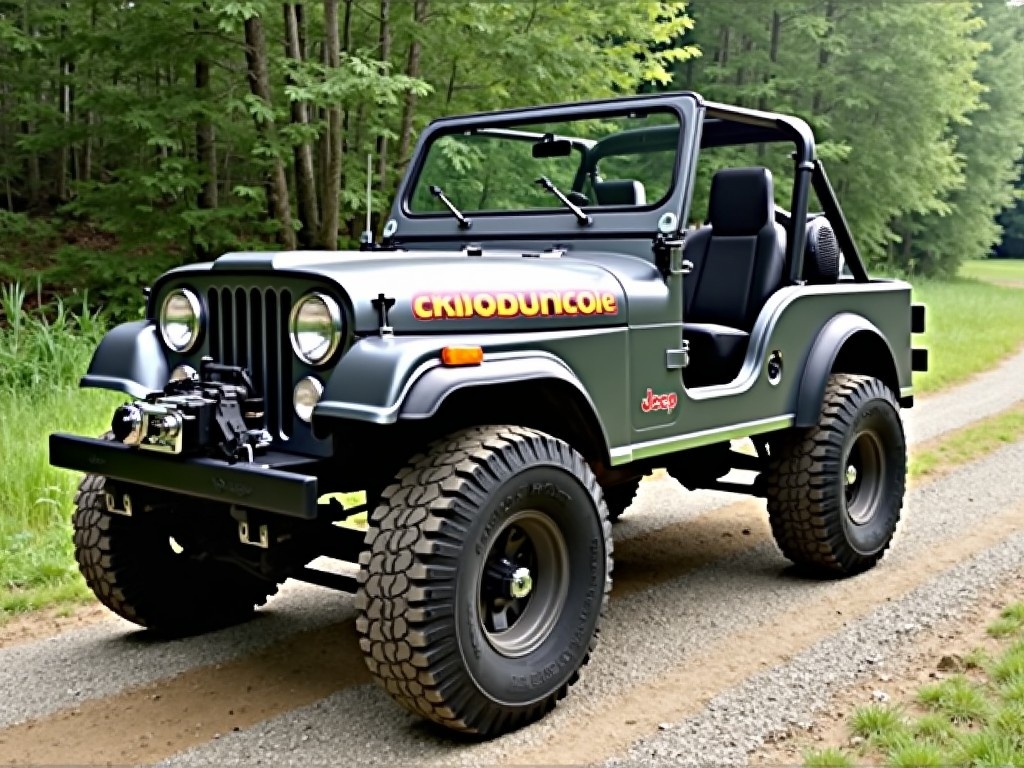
(41, 358)
(829, 757)
(994, 270)
(1010, 621)
(973, 723)
(970, 443)
(971, 326)
(880, 725)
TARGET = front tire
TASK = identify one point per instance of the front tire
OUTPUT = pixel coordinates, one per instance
(486, 573)
(135, 570)
(835, 491)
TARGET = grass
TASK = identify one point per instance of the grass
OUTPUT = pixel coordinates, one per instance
(971, 722)
(994, 270)
(972, 442)
(971, 326)
(41, 359)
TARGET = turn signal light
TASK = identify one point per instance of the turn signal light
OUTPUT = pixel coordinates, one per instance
(462, 355)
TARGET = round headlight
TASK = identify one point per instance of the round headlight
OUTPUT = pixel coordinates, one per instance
(305, 397)
(181, 317)
(315, 327)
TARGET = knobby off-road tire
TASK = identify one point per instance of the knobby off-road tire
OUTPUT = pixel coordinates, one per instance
(132, 568)
(619, 497)
(454, 540)
(835, 491)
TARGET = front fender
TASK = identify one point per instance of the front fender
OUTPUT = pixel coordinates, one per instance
(129, 359)
(372, 378)
(383, 380)
(432, 388)
(823, 356)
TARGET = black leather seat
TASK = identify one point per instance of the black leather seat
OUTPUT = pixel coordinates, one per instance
(738, 262)
(620, 192)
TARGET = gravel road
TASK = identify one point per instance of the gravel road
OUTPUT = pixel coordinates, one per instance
(709, 635)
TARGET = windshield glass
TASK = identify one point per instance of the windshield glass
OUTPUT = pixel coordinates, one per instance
(625, 161)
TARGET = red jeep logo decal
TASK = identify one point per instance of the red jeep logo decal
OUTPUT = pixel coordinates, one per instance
(655, 402)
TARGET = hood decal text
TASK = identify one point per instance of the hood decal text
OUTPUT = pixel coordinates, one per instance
(453, 306)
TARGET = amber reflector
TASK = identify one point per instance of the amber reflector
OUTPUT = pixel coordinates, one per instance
(462, 355)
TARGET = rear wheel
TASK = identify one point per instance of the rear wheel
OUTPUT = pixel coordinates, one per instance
(141, 571)
(619, 497)
(486, 572)
(835, 491)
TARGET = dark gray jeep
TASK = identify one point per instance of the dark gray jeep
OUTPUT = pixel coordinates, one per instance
(538, 328)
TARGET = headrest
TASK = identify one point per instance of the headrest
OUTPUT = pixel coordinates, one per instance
(742, 201)
(620, 192)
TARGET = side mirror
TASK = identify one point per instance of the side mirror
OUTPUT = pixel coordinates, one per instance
(549, 146)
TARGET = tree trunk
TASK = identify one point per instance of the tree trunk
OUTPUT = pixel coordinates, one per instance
(385, 57)
(206, 147)
(305, 180)
(332, 176)
(412, 70)
(823, 57)
(259, 85)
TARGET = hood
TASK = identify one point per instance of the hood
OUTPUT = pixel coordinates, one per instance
(454, 292)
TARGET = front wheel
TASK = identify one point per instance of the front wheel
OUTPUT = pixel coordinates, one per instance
(141, 571)
(486, 573)
(835, 491)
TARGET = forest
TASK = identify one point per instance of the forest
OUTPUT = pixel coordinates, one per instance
(140, 134)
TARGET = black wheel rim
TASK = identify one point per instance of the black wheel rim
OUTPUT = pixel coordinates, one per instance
(863, 478)
(523, 584)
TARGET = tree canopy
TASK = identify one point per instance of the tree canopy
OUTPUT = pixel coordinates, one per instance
(175, 130)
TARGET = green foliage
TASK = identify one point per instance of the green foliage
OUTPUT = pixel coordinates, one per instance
(43, 352)
(920, 126)
(1010, 621)
(881, 725)
(828, 758)
(917, 754)
(988, 145)
(957, 698)
(971, 326)
(1009, 668)
(139, 118)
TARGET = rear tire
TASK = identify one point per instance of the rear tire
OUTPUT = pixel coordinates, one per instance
(131, 566)
(485, 577)
(618, 498)
(835, 491)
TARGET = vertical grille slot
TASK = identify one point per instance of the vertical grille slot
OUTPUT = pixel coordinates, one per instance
(248, 330)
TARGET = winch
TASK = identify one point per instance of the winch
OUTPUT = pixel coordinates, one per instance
(214, 412)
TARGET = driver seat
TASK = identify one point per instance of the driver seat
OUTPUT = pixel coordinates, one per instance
(738, 262)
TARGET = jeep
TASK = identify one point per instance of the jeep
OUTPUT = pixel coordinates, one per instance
(547, 318)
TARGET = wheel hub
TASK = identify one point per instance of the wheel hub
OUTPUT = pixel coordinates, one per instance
(851, 475)
(863, 486)
(521, 584)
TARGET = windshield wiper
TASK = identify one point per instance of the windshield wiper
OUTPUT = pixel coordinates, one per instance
(437, 192)
(581, 217)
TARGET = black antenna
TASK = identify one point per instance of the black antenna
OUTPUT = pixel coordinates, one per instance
(366, 241)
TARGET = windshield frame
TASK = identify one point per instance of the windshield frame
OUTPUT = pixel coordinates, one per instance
(581, 147)
(407, 226)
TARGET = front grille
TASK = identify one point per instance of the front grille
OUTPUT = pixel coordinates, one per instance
(248, 328)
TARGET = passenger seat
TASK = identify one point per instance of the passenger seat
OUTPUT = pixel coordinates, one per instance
(739, 260)
(620, 192)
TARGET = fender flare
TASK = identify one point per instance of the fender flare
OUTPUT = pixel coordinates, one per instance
(826, 348)
(383, 381)
(129, 359)
(431, 389)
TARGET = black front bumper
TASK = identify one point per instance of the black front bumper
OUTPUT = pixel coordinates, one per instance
(260, 485)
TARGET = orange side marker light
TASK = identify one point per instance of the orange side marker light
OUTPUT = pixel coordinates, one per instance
(462, 355)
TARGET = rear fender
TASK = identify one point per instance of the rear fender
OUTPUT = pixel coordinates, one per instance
(850, 333)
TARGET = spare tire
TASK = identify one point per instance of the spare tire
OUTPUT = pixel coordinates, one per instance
(821, 253)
